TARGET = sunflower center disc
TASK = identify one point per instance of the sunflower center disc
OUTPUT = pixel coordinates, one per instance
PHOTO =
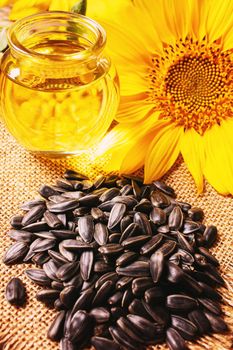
(192, 84)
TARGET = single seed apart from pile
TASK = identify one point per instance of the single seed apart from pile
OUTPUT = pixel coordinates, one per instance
(126, 265)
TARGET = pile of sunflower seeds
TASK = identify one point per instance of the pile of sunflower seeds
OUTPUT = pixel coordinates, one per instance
(126, 265)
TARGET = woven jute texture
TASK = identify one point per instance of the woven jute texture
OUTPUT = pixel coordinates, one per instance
(21, 174)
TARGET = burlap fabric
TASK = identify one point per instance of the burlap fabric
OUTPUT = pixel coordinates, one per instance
(20, 176)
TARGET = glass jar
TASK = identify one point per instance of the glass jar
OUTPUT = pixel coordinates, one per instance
(59, 92)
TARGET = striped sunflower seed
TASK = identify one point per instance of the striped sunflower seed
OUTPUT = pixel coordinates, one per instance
(15, 292)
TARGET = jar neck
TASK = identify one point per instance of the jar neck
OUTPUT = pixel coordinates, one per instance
(57, 44)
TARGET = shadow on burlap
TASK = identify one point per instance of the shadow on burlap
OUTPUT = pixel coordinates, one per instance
(21, 174)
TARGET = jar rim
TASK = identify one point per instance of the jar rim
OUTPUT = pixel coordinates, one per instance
(95, 27)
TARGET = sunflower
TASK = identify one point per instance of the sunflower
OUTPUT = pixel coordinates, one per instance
(174, 59)
(23, 8)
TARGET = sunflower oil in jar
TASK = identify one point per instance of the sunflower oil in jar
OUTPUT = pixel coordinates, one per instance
(59, 93)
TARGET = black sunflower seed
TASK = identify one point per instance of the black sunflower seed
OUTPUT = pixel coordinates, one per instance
(90, 200)
(74, 175)
(47, 296)
(208, 256)
(111, 249)
(38, 276)
(129, 201)
(44, 245)
(52, 220)
(122, 338)
(55, 331)
(210, 305)
(186, 328)
(50, 268)
(126, 258)
(126, 189)
(75, 245)
(142, 220)
(36, 227)
(210, 235)
(69, 204)
(174, 340)
(64, 183)
(158, 216)
(144, 206)
(33, 215)
(152, 244)
(159, 200)
(146, 328)
(67, 271)
(114, 238)
(184, 244)
(156, 265)
(40, 258)
(109, 194)
(198, 318)
(21, 236)
(196, 214)
(102, 293)
(209, 292)
(127, 297)
(132, 229)
(57, 285)
(57, 257)
(125, 222)
(154, 295)
(136, 308)
(98, 214)
(115, 299)
(15, 253)
(168, 247)
(135, 242)
(101, 314)
(79, 325)
(176, 217)
(190, 227)
(116, 215)
(16, 222)
(15, 292)
(165, 188)
(129, 329)
(136, 269)
(181, 302)
(31, 204)
(86, 228)
(217, 323)
(101, 343)
(102, 267)
(84, 301)
(101, 233)
(141, 284)
(86, 263)
(68, 296)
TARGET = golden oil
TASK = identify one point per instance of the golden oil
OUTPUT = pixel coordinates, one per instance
(59, 94)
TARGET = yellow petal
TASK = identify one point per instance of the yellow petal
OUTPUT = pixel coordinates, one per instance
(228, 40)
(14, 15)
(192, 151)
(160, 18)
(135, 157)
(220, 18)
(163, 152)
(218, 168)
(4, 2)
(122, 138)
(133, 108)
(62, 5)
(178, 15)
